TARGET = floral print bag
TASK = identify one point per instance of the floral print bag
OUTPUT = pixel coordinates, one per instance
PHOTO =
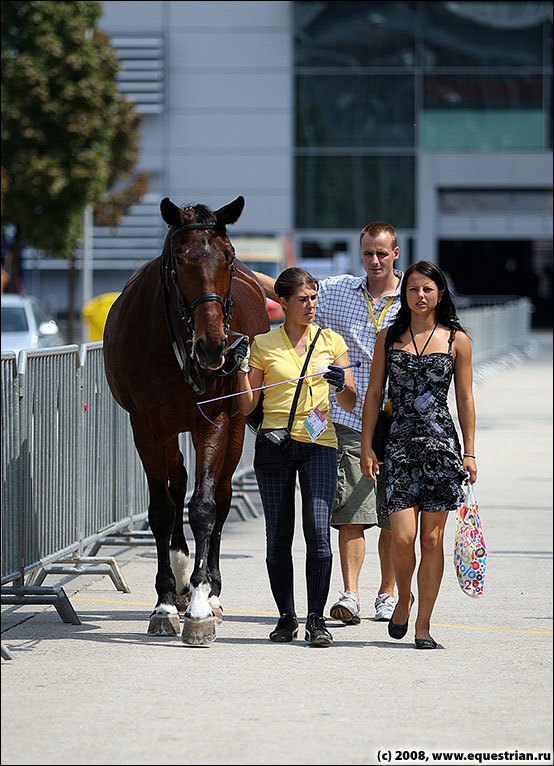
(470, 551)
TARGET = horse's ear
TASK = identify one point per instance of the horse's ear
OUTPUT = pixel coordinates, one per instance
(170, 212)
(231, 212)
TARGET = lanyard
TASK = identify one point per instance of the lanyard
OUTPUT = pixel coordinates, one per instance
(379, 322)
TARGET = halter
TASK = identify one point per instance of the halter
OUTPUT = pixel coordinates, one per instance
(183, 351)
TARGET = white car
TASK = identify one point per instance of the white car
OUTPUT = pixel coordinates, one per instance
(26, 325)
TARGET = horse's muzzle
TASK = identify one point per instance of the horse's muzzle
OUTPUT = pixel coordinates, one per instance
(209, 356)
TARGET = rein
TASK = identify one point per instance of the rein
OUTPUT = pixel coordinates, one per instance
(183, 351)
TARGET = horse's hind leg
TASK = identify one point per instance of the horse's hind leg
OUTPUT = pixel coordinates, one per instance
(164, 620)
(178, 549)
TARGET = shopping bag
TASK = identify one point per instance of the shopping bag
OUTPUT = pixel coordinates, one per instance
(470, 551)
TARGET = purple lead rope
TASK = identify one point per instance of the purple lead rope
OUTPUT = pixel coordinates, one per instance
(262, 388)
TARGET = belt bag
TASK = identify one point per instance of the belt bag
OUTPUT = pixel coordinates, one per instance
(271, 443)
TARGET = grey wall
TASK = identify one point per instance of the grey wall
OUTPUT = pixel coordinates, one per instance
(227, 125)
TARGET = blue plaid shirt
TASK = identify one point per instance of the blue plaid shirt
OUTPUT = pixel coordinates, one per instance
(342, 306)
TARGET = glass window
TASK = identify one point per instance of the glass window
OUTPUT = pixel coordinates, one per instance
(39, 313)
(322, 248)
(14, 319)
(356, 111)
(482, 112)
(348, 192)
(355, 34)
(492, 201)
(486, 34)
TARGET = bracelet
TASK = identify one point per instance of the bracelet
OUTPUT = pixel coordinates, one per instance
(468, 454)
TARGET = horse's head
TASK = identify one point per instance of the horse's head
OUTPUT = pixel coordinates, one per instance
(199, 259)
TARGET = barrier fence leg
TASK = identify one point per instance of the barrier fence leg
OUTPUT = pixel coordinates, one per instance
(6, 654)
(78, 566)
(30, 594)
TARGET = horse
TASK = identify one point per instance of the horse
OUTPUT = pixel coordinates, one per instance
(167, 345)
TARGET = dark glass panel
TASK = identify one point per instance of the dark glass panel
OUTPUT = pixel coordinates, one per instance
(483, 92)
(348, 192)
(349, 110)
(485, 34)
(354, 34)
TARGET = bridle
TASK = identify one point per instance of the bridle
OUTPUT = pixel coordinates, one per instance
(183, 351)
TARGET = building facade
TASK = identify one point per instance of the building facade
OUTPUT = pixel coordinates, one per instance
(434, 116)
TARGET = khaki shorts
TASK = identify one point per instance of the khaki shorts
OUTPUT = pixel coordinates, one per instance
(356, 499)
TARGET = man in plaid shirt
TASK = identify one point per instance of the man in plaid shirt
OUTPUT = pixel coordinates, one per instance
(357, 308)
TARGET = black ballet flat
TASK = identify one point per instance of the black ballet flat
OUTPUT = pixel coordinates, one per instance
(425, 643)
(399, 631)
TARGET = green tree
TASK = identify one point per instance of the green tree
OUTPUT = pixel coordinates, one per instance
(69, 136)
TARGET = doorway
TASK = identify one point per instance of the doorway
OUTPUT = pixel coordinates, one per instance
(502, 267)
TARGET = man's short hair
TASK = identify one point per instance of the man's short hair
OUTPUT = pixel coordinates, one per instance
(378, 227)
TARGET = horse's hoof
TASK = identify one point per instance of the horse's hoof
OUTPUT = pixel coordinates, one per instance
(199, 632)
(164, 625)
(182, 601)
(218, 614)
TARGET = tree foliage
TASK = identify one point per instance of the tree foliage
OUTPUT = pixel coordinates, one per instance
(68, 134)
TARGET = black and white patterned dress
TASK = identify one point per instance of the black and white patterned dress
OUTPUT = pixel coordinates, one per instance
(422, 461)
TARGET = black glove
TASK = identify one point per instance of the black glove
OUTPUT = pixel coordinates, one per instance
(241, 353)
(335, 377)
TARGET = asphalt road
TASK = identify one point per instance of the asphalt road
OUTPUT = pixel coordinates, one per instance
(105, 692)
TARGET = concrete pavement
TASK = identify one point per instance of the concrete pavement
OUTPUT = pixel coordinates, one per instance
(105, 692)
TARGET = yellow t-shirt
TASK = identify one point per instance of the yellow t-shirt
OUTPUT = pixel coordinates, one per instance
(272, 353)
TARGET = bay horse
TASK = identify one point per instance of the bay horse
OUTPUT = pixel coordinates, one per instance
(167, 346)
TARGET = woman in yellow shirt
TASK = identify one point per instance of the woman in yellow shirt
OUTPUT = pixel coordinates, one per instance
(311, 455)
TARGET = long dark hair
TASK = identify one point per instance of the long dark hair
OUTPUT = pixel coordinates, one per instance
(445, 311)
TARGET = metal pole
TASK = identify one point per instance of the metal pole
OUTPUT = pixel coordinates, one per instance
(86, 265)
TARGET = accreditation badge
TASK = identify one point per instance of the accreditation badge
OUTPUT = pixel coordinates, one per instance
(315, 424)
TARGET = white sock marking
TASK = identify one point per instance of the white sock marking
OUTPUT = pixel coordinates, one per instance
(214, 602)
(199, 607)
(180, 564)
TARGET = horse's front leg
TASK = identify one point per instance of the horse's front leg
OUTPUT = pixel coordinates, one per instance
(211, 455)
(164, 620)
(199, 620)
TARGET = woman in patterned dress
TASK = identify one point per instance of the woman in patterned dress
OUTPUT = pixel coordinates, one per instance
(423, 465)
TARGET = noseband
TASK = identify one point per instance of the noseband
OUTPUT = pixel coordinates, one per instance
(183, 351)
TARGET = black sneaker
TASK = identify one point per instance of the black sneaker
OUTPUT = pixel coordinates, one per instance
(316, 632)
(286, 630)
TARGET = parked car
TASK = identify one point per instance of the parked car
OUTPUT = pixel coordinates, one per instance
(26, 324)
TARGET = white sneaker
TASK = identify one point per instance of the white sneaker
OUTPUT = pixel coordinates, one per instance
(347, 608)
(384, 607)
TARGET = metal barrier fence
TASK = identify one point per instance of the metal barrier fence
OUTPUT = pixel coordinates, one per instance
(498, 328)
(71, 477)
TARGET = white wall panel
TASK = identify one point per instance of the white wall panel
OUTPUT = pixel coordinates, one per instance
(256, 90)
(227, 14)
(229, 49)
(230, 171)
(230, 132)
(120, 16)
